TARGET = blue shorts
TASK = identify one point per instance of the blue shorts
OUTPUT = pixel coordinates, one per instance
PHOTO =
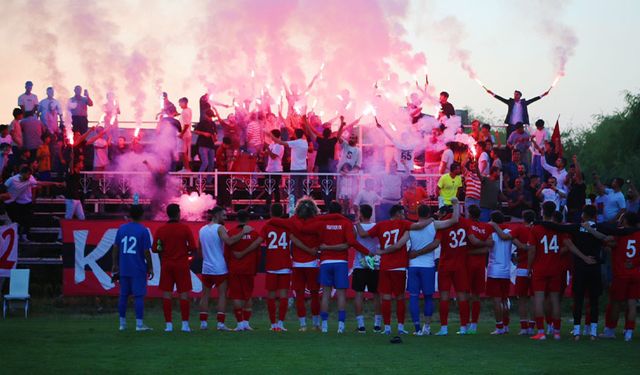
(136, 286)
(421, 279)
(335, 275)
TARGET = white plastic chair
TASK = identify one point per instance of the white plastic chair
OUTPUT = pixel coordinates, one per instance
(18, 290)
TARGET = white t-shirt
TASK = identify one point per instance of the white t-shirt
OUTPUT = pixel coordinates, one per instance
(20, 191)
(369, 242)
(499, 266)
(28, 101)
(484, 157)
(539, 136)
(550, 195)
(404, 159)
(299, 149)
(349, 155)
(100, 153)
(185, 120)
(516, 113)
(213, 262)
(419, 239)
(447, 158)
(367, 197)
(275, 164)
(49, 111)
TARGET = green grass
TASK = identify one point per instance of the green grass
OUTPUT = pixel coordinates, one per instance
(59, 340)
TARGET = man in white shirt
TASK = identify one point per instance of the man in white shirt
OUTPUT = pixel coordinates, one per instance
(350, 163)
(185, 135)
(552, 192)
(28, 101)
(213, 237)
(558, 172)
(367, 196)
(20, 202)
(484, 162)
(447, 159)
(275, 152)
(50, 112)
(299, 150)
(539, 137)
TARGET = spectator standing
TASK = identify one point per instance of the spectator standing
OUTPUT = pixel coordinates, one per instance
(532, 188)
(32, 131)
(614, 201)
(207, 136)
(484, 161)
(551, 192)
(472, 185)
(43, 156)
(325, 158)
(520, 140)
(517, 108)
(78, 106)
(275, 152)
(391, 192)
(448, 185)
(28, 101)
(186, 117)
(538, 139)
(447, 158)
(413, 197)
(576, 198)
(50, 112)
(299, 150)
(446, 108)
(15, 130)
(100, 142)
(513, 168)
(490, 194)
(520, 199)
(367, 196)
(633, 198)
(225, 157)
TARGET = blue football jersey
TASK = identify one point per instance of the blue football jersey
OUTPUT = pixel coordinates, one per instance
(132, 240)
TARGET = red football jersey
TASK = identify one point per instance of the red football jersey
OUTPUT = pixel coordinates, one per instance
(625, 257)
(454, 243)
(248, 264)
(566, 258)
(548, 261)
(389, 232)
(522, 233)
(278, 254)
(292, 225)
(481, 231)
(177, 241)
(334, 229)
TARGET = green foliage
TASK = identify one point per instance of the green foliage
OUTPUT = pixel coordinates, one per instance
(610, 147)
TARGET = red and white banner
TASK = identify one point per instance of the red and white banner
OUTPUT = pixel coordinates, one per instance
(8, 249)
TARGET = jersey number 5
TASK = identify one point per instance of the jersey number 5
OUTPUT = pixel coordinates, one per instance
(631, 248)
(276, 242)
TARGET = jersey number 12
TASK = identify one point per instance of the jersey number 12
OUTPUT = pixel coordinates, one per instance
(129, 245)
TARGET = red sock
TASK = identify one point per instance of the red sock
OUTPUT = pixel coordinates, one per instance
(246, 314)
(271, 307)
(499, 325)
(301, 309)
(608, 319)
(220, 317)
(400, 310)
(204, 316)
(444, 313)
(524, 324)
(464, 313)
(539, 323)
(315, 303)
(184, 309)
(166, 307)
(238, 314)
(385, 306)
(557, 324)
(587, 314)
(548, 319)
(282, 311)
(630, 324)
(532, 324)
(505, 316)
(475, 311)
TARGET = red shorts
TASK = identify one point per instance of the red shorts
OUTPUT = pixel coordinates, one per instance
(476, 275)
(175, 274)
(209, 281)
(392, 282)
(306, 278)
(563, 279)
(523, 286)
(459, 279)
(547, 284)
(278, 281)
(498, 288)
(240, 286)
(623, 289)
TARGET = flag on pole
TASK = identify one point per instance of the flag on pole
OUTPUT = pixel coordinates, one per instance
(555, 137)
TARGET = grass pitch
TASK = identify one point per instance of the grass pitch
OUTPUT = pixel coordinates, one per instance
(61, 341)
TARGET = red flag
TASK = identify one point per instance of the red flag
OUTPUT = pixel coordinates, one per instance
(555, 138)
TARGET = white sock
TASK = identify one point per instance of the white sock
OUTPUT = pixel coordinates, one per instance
(169, 326)
(274, 326)
(426, 327)
(576, 329)
(540, 331)
(139, 323)
(203, 324)
(377, 320)
(387, 327)
(280, 324)
(303, 322)
(463, 329)
(325, 324)
(473, 326)
(444, 329)
(316, 320)
(123, 321)
(594, 329)
(341, 325)
(400, 327)
(360, 320)
(185, 324)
